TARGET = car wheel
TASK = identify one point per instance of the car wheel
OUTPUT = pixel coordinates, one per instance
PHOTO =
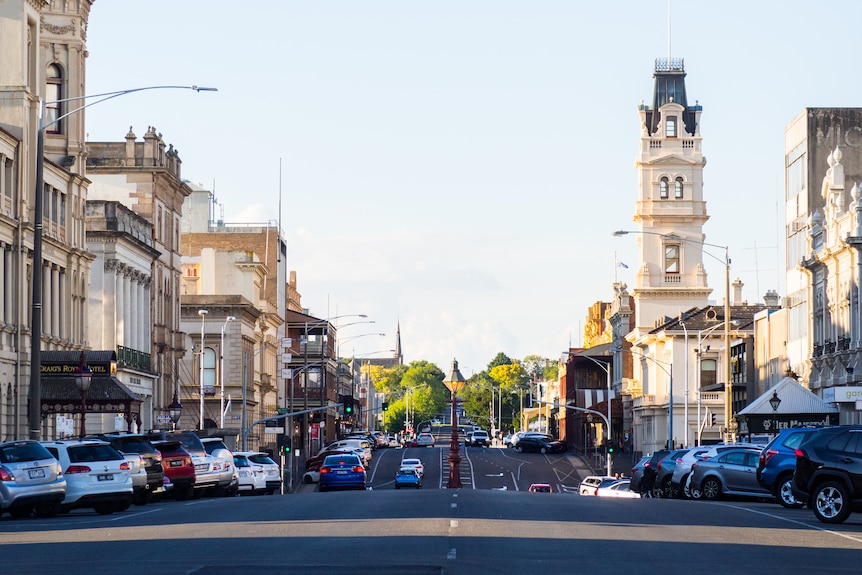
(784, 493)
(48, 509)
(21, 512)
(831, 502)
(711, 488)
(543, 450)
(519, 449)
(307, 479)
(124, 505)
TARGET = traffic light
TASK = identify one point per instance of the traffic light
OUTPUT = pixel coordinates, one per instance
(713, 420)
(286, 446)
(385, 406)
(348, 404)
(610, 447)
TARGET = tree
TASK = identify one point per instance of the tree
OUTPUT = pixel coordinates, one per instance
(500, 359)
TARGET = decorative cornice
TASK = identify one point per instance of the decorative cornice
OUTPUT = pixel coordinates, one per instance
(58, 30)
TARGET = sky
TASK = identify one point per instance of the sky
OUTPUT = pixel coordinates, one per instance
(458, 166)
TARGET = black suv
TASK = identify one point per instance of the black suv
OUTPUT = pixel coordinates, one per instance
(777, 463)
(138, 443)
(829, 472)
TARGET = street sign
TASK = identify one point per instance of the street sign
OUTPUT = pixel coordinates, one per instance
(270, 430)
(286, 342)
(287, 373)
(286, 358)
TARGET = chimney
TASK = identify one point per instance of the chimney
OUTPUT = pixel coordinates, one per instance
(771, 299)
(737, 292)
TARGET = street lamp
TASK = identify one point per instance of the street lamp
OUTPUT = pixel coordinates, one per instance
(352, 337)
(83, 376)
(175, 410)
(454, 382)
(775, 401)
(227, 320)
(34, 413)
(728, 399)
(203, 313)
(669, 372)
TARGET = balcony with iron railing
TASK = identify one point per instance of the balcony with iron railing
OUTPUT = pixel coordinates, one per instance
(133, 359)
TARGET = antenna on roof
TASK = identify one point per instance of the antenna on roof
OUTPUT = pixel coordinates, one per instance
(668, 31)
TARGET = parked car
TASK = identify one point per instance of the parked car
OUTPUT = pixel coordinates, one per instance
(415, 464)
(829, 472)
(408, 477)
(620, 489)
(342, 471)
(229, 477)
(638, 472)
(664, 474)
(97, 475)
(777, 463)
(209, 470)
(682, 469)
(478, 438)
(711, 452)
(731, 472)
(541, 488)
(590, 483)
(540, 444)
(516, 437)
(31, 479)
(425, 440)
(179, 469)
(153, 481)
(271, 469)
(251, 479)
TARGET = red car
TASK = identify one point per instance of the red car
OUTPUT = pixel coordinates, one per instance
(178, 466)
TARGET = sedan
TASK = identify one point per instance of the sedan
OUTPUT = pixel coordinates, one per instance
(540, 445)
(621, 488)
(415, 464)
(425, 440)
(342, 471)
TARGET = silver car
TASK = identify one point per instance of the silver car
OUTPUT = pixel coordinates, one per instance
(31, 479)
(731, 472)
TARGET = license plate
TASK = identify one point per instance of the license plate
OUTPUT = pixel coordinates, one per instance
(341, 473)
(37, 473)
(176, 463)
(106, 477)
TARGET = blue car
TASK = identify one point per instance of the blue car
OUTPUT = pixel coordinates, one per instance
(777, 464)
(408, 477)
(342, 471)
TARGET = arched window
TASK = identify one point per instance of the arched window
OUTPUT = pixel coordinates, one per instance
(209, 371)
(53, 95)
(678, 189)
(662, 188)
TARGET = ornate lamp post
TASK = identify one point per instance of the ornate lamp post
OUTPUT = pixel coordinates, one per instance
(175, 410)
(775, 401)
(454, 382)
(83, 376)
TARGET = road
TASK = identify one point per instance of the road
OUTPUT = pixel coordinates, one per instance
(480, 529)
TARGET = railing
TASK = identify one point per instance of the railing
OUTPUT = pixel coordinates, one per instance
(134, 359)
(672, 278)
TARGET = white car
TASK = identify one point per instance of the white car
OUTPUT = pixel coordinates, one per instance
(250, 476)
(414, 463)
(621, 488)
(97, 475)
(271, 469)
(360, 446)
(229, 477)
(589, 485)
(30, 480)
(425, 440)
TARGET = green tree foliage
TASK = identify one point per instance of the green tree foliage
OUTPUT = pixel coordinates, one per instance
(541, 368)
(427, 394)
(500, 359)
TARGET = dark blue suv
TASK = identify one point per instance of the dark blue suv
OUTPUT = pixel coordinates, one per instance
(778, 462)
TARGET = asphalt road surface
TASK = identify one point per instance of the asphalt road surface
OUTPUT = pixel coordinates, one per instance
(481, 528)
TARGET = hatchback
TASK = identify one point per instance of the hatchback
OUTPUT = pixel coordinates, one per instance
(97, 475)
(342, 471)
(271, 470)
(228, 478)
(829, 472)
(540, 445)
(250, 476)
(731, 472)
(30, 479)
(589, 484)
(619, 489)
(134, 443)
(408, 477)
(179, 469)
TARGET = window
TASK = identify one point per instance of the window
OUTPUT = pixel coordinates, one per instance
(707, 372)
(671, 259)
(670, 127)
(209, 371)
(53, 95)
(662, 188)
(678, 189)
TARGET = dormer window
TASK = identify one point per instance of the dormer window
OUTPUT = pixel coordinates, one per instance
(662, 188)
(670, 127)
(678, 189)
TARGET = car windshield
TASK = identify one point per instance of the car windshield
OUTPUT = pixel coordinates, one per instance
(241, 461)
(262, 458)
(410, 462)
(132, 444)
(341, 460)
(85, 453)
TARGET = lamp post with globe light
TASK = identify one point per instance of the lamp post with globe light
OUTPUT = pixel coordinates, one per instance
(454, 382)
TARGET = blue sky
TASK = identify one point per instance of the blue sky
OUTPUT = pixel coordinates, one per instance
(460, 165)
